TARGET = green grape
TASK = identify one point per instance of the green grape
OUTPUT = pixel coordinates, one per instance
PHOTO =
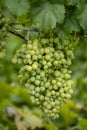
(34, 66)
(29, 68)
(45, 71)
(53, 81)
(47, 84)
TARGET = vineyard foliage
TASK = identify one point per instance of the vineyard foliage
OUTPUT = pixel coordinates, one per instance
(43, 64)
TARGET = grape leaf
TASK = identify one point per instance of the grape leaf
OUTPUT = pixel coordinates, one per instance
(71, 25)
(82, 17)
(17, 7)
(47, 15)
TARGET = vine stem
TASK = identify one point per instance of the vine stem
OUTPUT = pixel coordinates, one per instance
(17, 34)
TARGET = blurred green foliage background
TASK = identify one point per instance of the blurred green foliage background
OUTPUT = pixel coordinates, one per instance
(16, 110)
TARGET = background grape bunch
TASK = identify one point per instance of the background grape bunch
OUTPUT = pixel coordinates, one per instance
(4, 26)
(45, 71)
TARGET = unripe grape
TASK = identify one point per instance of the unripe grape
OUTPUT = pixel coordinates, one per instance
(34, 57)
(32, 52)
(48, 94)
(53, 81)
(42, 73)
(63, 95)
(59, 84)
(32, 79)
(42, 89)
(41, 98)
(34, 66)
(35, 47)
(44, 62)
(47, 84)
(37, 89)
(29, 46)
(52, 104)
(68, 96)
(49, 64)
(71, 91)
(47, 57)
(37, 77)
(33, 92)
(29, 68)
(67, 76)
(55, 87)
(55, 63)
(56, 40)
(14, 60)
(28, 56)
(45, 103)
(47, 50)
(56, 55)
(53, 92)
(45, 67)
(44, 41)
(37, 82)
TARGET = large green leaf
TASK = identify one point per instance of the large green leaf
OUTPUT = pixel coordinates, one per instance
(47, 15)
(17, 7)
(82, 17)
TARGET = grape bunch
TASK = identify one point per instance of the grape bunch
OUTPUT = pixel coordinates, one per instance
(45, 71)
(4, 26)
